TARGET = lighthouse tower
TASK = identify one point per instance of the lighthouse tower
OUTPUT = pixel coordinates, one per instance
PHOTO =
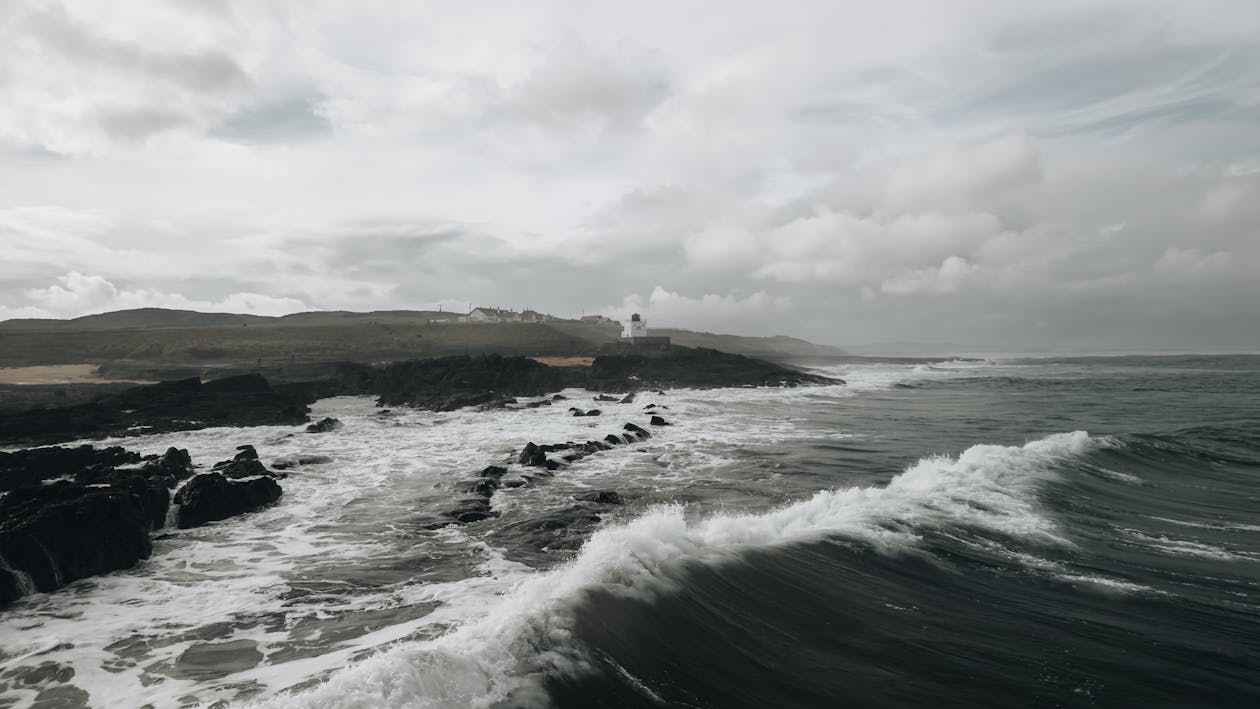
(636, 328)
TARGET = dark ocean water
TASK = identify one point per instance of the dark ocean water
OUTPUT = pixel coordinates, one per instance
(1150, 596)
(1071, 532)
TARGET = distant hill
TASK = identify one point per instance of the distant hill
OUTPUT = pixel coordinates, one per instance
(162, 318)
(776, 347)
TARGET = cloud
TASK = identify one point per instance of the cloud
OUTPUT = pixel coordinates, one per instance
(820, 171)
(665, 308)
(77, 294)
(963, 176)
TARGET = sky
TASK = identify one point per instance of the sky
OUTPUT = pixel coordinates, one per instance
(1065, 175)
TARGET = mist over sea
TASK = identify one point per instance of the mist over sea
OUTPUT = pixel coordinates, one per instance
(1078, 532)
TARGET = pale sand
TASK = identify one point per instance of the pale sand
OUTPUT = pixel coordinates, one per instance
(565, 361)
(58, 374)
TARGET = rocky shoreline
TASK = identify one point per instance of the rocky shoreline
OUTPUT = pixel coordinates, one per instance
(440, 384)
(70, 513)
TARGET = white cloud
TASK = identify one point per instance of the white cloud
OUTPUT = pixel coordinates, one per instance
(663, 308)
(77, 294)
(956, 176)
(963, 176)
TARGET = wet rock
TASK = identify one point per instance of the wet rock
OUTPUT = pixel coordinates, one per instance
(613, 440)
(447, 383)
(577, 412)
(55, 534)
(649, 406)
(300, 459)
(472, 509)
(175, 462)
(531, 455)
(638, 432)
(484, 487)
(603, 497)
(537, 404)
(559, 397)
(244, 464)
(186, 404)
(628, 398)
(210, 497)
(593, 412)
(324, 425)
(29, 467)
(493, 471)
(605, 397)
(658, 421)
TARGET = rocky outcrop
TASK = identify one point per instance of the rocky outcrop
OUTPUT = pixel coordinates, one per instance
(211, 497)
(56, 534)
(693, 368)
(449, 383)
(186, 404)
(245, 464)
(70, 513)
(324, 425)
(658, 421)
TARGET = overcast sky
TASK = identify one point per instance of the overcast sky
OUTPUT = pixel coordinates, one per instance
(1068, 174)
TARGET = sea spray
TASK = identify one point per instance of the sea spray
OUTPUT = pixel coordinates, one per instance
(528, 634)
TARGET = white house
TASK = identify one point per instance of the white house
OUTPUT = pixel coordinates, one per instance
(493, 315)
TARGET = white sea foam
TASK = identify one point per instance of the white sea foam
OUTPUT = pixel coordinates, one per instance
(493, 657)
(1105, 584)
(1186, 547)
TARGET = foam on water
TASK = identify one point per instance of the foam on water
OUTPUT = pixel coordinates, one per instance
(500, 655)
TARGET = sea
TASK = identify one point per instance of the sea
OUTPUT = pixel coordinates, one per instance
(1043, 532)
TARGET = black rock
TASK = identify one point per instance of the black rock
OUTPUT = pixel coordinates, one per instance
(484, 487)
(578, 412)
(559, 397)
(649, 406)
(246, 400)
(210, 497)
(605, 397)
(493, 471)
(324, 425)
(628, 398)
(175, 462)
(244, 464)
(55, 534)
(603, 497)
(29, 467)
(638, 431)
(658, 421)
(613, 440)
(532, 456)
(293, 461)
(593, 412)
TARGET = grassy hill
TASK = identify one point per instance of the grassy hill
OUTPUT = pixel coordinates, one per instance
(153, 343)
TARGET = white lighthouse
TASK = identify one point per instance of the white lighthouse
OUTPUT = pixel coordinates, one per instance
(636, 328)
